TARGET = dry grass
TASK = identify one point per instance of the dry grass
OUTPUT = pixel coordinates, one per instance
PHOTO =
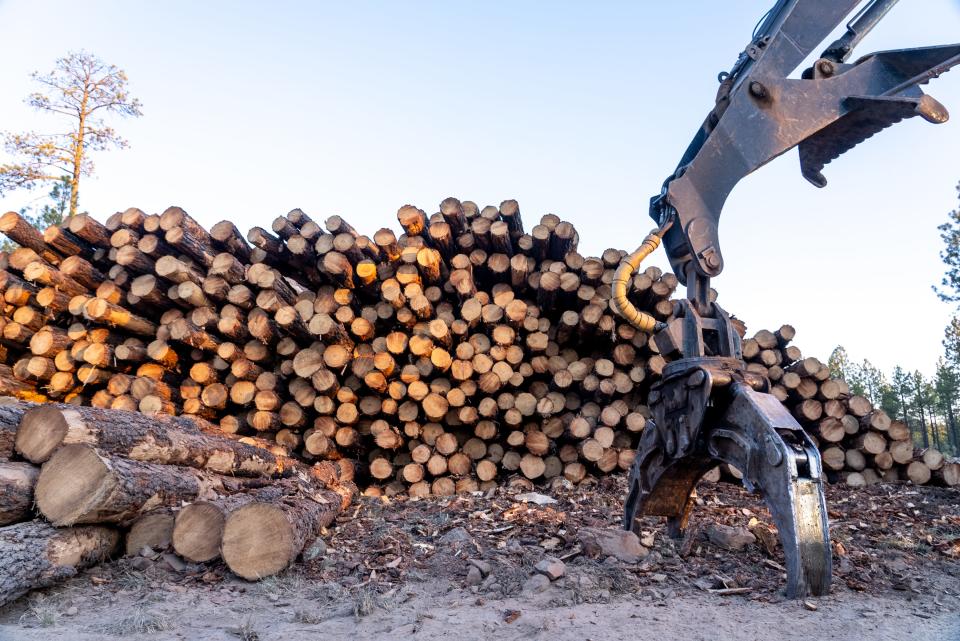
(138, 621)
(41, 612)
(245, 632)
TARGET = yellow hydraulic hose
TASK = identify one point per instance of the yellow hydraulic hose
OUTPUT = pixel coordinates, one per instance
(621, 279)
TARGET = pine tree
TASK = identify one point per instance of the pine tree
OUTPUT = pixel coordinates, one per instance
(52, 211)
(871, 381)
(901, 383)
(839, 363)
(82, 89)
(918, 387)
(947, 386)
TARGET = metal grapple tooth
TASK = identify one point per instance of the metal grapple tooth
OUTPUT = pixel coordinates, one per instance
(779, 461)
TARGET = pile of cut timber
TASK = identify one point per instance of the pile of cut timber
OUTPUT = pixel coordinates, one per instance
(157, 482)
(859, 444)
(464, 352)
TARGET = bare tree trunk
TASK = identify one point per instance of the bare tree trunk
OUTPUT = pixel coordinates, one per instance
(78, 151)
(954, 432)
(923, 426)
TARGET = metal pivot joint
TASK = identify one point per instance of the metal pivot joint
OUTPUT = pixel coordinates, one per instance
(761, 113)
(708, 408)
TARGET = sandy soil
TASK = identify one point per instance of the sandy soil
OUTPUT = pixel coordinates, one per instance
(400, 570)
(429, 611)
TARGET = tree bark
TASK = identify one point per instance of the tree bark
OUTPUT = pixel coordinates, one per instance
(171, 441)
(263, 538)
(198, 530)
(16, 491)
(81, 485)
(36, 555)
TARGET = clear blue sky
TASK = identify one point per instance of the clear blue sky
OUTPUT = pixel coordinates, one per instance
(579, 109)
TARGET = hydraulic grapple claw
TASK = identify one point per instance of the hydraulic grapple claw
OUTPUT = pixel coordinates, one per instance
(779, 461)
(709, 410)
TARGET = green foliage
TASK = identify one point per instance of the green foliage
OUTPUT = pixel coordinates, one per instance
(946, 386)
(82, 89)
(51, 212)
(927, 406)
(901, 387)
(839, 363)
(951, 343)
(863, 378)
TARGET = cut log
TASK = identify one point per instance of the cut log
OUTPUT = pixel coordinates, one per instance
(153, 531)
(932, 458)
(950, 474)
(198, 529)
(171, 441)
(16, 491)
(36, 555)
(901, 451)
(11, 413)
(262, 538)
(918, 473)
(80, 485)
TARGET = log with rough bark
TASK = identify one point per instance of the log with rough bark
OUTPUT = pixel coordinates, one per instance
(199, 526)
(171, 441)
(81, 485)
(16, 491)
(37, 555)
(11, 412)
(262, 538)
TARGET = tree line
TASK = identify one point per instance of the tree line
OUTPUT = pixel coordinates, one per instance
(928, 405)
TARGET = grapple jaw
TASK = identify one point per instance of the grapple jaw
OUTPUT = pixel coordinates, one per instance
(779, 461)
(895, 96)
(760, 438)
(709, 410)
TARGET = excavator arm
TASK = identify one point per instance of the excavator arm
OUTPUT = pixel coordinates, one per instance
(708, 408)
(762, 113)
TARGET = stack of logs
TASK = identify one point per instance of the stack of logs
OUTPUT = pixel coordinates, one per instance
(464, 352)
(153, 483)
(859, 444)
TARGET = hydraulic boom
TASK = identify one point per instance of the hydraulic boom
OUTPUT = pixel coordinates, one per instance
(708, 408)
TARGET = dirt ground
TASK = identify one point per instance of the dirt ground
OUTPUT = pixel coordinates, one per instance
(424, 569)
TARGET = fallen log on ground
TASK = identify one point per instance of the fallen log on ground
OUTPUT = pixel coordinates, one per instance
(153, 530)
(198, 530)
(128, 434)
(16, 491)
(37, 555)
(262, 538)
(82, 485)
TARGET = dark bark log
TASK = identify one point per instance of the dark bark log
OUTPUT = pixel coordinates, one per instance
(36, 555)
(169, 441)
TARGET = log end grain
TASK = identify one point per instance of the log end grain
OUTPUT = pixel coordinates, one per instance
(198, 531)
(153, 531)
(258, 541)
(74, 479)
(42, 430)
